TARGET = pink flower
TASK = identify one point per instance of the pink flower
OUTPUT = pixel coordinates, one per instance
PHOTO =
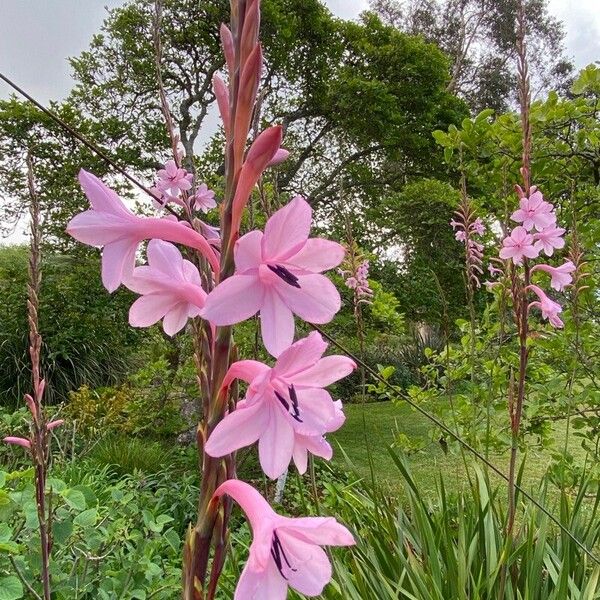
(534, 212)
(550, 309)
(173, 180)
(285, 551)
(282, 403)
(316, 444)
(460, 235)
(53, 424)
(561, 276)
(548, 239)
(170, 287)
(278, 274)
(477, 226)
(517, 245)
(204, 199)
(109, 223)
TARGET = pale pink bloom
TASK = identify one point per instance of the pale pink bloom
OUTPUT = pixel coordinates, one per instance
(561, 276)
(316, 444)
(281, 403)
(518, 245)
(549, 239)
(477, 226)
(285, 551)
(351, 283)
(460, 235)
(18, 441)
(278, 274)
(534, 212)
(455, 224)
(109, 223)
(204, 199)
(550, 309)
(170, 287)
(173, 180)
(494, 270)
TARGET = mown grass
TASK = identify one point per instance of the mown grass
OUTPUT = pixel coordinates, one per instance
(372, 427)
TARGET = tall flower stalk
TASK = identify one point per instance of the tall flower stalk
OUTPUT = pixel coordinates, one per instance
(231, 277)
(38, 442)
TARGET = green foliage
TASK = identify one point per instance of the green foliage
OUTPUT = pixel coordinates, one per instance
(417, 224)
(110, 539)
(127, 455)
(84, 330)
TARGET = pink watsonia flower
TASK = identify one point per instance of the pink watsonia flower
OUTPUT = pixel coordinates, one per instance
(561, 276)
(317, 444)
(53, 424)
(173, 180)
(17, 441)
(550, 309)
(518, 245)
(170, 286)
(111, 225)
(534, 212)
(549, 239)
(285, 551)
(278, 274)
(282, 403)
(204, 199)
(477, 226)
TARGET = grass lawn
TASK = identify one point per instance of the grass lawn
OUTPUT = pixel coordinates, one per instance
(384, 420)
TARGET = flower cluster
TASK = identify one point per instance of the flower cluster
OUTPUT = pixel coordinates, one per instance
(174, 184)
(358, 280)
(277, 273)
(537, 233)
(466, 227)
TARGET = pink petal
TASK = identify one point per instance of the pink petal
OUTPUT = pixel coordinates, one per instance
(287, 230)
(265, 584)
(316, 300)
(118, 261)
(258, 511)
(150, 309)
(276, 444)
(276, 323)
(234, 300)
(325, 531)
(300, 455)
(280, 156)
(316, 411)
(325, 372)
(301, 355)
(247, 251)
(101, 197)
(246, 370)
(50, 426)
(97, 228)
(176, 319)
(238, 429)
(318, 255)
(165, 257)
(312, 567)
(222, 96)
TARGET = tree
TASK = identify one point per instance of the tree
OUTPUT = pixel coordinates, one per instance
(479, 37)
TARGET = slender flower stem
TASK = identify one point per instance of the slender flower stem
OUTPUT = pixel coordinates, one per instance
(39, 433)
(520, 285)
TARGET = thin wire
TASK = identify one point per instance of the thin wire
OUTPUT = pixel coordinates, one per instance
(83, 140)
(449, 431)
(347, 352)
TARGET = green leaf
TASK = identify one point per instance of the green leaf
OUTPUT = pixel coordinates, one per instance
(74, 498)
(10, 588)
(87, 518)
(62, 530)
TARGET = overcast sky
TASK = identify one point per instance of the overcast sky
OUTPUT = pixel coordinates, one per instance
(37, 36)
